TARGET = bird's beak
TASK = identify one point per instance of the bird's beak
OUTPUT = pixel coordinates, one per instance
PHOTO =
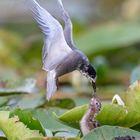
(92, 75)
(94, 86)
(94, 80)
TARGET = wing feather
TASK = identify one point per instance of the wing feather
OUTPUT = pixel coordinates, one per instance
(55, 47)
(68, 25)
(46, 22)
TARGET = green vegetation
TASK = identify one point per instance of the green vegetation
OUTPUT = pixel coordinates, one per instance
(113, 47)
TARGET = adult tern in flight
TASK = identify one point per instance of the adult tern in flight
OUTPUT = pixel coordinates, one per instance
(59, 54)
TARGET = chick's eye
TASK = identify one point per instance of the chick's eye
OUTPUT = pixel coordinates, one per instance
(98, 105)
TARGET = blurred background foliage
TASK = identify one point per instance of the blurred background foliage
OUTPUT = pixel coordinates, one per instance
(107, 31)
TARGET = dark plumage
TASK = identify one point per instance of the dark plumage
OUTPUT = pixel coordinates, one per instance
(59, 53)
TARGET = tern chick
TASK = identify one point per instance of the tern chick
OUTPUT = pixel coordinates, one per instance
(59, 54)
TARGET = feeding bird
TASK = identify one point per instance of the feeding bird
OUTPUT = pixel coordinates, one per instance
(59, 54)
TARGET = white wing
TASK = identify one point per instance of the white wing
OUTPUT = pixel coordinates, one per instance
(55, 47)
(68, 25)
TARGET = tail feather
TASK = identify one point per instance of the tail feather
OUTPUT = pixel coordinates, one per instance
(51, 84)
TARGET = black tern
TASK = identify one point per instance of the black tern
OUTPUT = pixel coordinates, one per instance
(59, 54)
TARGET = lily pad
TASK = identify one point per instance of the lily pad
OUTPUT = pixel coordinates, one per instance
(110, 132)
(132, 100)
(17, 87)
(49, 122)
(14, 129)
(117, 115)
(110, 114)
(27, 118)
(73, 116)
(132, 97)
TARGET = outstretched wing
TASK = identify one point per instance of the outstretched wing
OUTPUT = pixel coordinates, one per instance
(55, 47)
(68, 25)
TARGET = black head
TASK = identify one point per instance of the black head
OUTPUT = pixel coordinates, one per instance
(90, 72)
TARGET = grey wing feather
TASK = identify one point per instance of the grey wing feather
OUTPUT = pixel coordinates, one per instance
(44, 19)
(55, 47)
(68, 25)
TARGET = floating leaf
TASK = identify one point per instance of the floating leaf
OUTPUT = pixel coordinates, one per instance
(110, 114)
(14, 129)
(19, 130)
(27, 118)
(73, 116)
(117, 115)
(132, 97)
(49, 122)
(109, 133)
(26, 86)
